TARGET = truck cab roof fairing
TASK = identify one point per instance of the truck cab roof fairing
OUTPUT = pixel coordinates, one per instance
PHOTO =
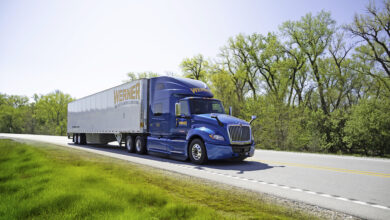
(184, 86)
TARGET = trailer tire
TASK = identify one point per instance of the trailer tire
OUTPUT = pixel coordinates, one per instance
(74, 138)
(83, 139)
(78, 139)
(130, 144)
(140, 145)
(197, 152)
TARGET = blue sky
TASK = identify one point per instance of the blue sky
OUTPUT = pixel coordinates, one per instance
(82, 47)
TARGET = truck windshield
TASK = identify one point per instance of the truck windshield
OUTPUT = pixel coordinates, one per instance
(205, 106)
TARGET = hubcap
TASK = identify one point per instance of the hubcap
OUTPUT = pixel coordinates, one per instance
(138, 145)
(196, 151)
(128, 144)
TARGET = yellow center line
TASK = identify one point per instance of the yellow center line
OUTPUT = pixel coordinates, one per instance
(386, 175)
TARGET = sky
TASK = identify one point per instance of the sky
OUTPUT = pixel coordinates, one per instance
(83, 47)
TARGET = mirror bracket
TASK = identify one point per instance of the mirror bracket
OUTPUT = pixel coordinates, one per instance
(252, 119)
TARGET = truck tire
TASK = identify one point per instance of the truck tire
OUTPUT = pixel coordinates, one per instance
(130, 144)
(78, 139)
(83, 139)
(197, 152)
(140, 145)
(74, 138)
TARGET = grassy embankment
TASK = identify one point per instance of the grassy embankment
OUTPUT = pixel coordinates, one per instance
(51, 182)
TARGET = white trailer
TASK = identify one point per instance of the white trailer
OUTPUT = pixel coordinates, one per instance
(104, 116)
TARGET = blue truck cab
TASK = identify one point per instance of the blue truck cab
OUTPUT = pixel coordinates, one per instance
(186, 122)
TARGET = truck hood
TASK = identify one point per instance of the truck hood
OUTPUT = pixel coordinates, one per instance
(226, 119)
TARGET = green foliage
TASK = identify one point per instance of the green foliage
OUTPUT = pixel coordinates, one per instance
(141, 75)
(51, 112)
(51, 182)
(367, 130)
(46, 115)
(373, 29)
(310, 89)
(195, 67)
(13, 113)
(223, 89)
(308, 86)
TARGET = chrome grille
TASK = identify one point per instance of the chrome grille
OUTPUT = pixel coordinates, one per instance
(239, 134)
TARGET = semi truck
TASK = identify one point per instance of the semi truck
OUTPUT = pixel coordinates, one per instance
(175, 117)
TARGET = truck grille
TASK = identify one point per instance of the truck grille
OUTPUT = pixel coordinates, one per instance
(239, 134)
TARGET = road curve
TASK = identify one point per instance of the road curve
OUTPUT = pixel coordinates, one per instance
(352, 185)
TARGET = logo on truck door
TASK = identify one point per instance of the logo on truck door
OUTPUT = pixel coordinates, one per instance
(127, 95)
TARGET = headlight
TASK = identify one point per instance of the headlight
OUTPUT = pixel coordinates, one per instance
(217, 137)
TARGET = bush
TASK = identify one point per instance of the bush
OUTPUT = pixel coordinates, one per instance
(367, 130)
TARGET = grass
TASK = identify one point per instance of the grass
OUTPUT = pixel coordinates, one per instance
(40, 181)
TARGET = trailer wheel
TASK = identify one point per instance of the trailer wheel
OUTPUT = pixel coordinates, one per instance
(130, 144)
(197, 152)
(74, 138)
(78, 139)
(140, 146)
(83, 139)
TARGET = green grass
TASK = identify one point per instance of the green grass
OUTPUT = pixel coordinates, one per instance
(39, 181)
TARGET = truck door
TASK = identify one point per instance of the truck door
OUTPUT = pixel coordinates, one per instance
(159, 124)
(183, 119)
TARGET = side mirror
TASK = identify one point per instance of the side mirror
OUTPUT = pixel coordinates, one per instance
(252, 119)
(177, 110)
(230, 110)
(216, 117)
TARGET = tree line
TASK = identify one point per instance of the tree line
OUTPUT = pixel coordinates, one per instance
(47, 114)
(314, 86)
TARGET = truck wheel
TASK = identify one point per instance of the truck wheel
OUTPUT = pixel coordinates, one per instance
(197, 152)
(130, 144)
(83, 139)
(78, 139)
(74, 138)
(140, 146)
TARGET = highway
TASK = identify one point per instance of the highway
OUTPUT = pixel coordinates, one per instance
(351, 185)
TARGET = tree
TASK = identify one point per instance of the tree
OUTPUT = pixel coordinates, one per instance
(240, 48)
(232, 64)
(141, 75)
(13, 112)
(223, 88)
(195, 67)
(51, 112)
(295, 64)
(312, 35)
(374, 29)
(264, 54)
(367, 130)
(367, 66)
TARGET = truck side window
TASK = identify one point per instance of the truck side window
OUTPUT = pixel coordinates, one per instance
(158, 109)
(184, 108)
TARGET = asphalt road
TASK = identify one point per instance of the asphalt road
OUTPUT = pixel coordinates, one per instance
(352, 185)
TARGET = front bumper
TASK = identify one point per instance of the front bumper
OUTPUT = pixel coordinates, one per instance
(219, 152)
